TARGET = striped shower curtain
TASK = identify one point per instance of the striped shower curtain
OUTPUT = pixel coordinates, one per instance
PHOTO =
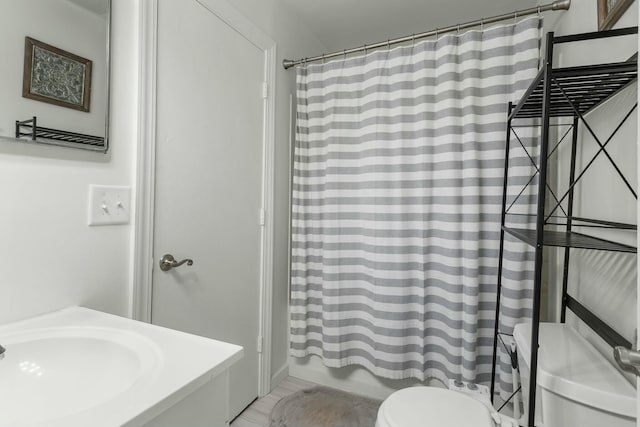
(397, 192)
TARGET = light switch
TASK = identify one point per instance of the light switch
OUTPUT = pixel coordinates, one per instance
(109, 204)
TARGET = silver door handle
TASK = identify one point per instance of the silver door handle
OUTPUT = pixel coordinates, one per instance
(167, 262)
(627, 359)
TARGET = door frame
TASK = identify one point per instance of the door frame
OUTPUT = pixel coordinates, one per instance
(143, 239)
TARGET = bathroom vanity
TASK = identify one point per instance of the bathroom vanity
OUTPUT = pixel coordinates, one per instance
(80, 367)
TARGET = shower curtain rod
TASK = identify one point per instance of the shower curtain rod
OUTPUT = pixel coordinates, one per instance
(556, 5)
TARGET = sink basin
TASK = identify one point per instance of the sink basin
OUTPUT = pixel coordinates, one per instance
(51, 373)
(78, 367)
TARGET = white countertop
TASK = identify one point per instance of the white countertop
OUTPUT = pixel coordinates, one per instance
(179, 364)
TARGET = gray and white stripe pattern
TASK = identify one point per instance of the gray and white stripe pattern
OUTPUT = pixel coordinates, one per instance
(397, 195)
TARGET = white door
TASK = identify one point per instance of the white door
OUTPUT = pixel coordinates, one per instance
(209, 184)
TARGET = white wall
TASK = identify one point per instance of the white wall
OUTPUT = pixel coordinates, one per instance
(605, 282)
(293, 41)
(50, 257)
(63, 25)
(351, 378)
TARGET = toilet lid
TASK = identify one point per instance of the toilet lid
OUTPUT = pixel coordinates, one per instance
(432, 406)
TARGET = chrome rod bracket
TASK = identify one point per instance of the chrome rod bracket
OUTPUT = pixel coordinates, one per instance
(627, 359)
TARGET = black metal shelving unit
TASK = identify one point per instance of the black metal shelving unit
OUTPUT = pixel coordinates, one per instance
(570, 92)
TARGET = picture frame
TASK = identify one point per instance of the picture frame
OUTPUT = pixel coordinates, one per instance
(56, 76)
(610, 11)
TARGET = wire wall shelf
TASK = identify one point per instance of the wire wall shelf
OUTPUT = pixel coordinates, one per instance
(29, 128)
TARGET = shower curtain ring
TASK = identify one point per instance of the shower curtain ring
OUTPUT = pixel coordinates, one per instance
(482, 24)
(413, 39)
(458, 30)
(388, 44)
(538, 11)
(323, 58)
(515, 17)
(344, 54)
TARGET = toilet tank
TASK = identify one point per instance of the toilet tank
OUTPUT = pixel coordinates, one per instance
(576, 385)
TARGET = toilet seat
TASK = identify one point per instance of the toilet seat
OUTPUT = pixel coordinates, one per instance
(432, 406)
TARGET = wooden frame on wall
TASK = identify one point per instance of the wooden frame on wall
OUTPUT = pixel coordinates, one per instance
(56, 76)
(609, 11)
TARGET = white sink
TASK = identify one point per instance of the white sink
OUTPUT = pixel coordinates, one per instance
(78, 368)
(55, 372)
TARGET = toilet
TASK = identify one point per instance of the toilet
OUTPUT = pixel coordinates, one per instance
(577, 386)
(438, 407)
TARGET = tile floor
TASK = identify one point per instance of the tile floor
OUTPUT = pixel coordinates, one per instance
(257, 414)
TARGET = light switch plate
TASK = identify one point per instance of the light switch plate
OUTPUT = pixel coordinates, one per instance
(109, 205)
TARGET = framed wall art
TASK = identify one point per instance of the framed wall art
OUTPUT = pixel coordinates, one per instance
(609, 11)
(56, 76)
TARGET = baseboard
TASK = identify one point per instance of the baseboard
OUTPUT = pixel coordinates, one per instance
(280, 375)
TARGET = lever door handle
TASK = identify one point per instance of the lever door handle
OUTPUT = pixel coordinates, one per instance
(627, 359)
(167, 262)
